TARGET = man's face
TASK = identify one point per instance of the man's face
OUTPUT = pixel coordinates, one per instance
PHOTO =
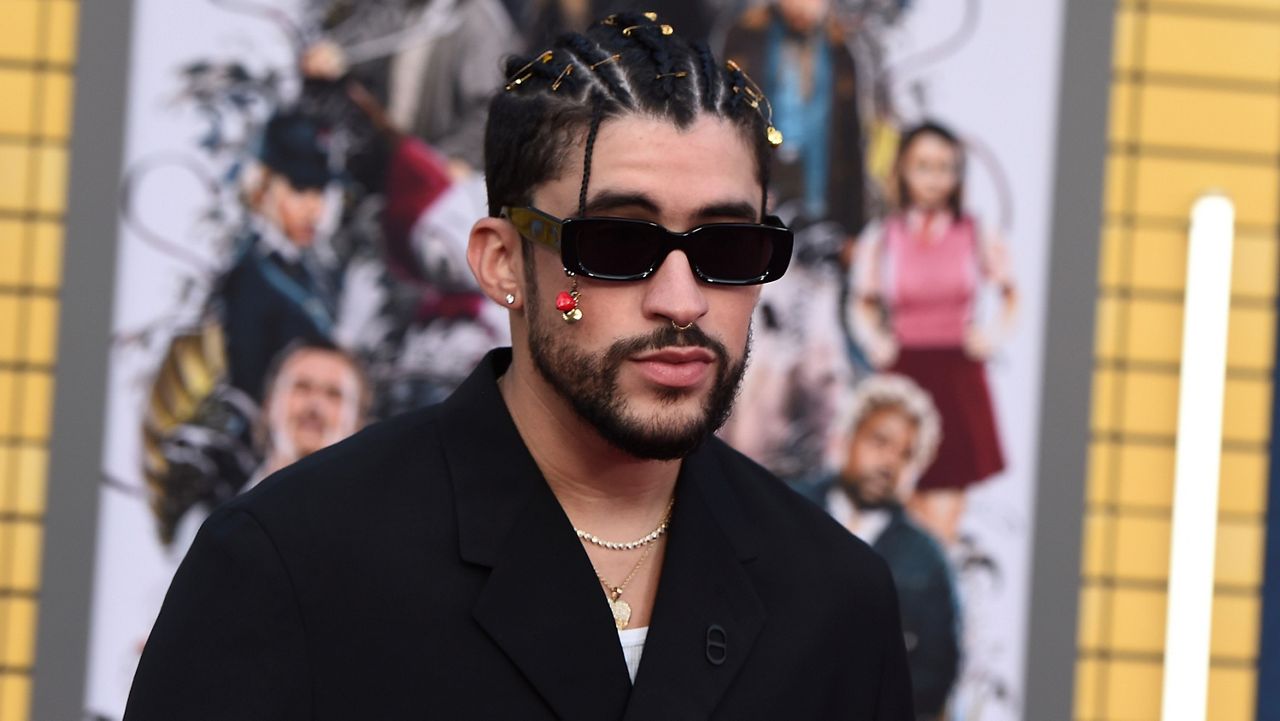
(803, 16)
(314, 402)
(879, 457)
(297, 213)
(648, 389)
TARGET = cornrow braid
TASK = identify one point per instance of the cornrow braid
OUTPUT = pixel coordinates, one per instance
(710, 72)
(597, 113)
(629, 63)
(594, 59)
(650, 39)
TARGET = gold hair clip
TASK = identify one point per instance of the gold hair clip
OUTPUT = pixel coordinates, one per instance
(568, 70)
(754, 96)
(676, 74)
(606, 61)
(653, 17)
(666, 29)
(544, 58)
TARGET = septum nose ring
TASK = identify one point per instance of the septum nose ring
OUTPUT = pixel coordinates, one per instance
(682, 328)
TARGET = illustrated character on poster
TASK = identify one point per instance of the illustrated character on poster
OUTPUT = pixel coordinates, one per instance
(797, 50)
(276, 290)
(206, 395)
(887, 436)
(918, 275)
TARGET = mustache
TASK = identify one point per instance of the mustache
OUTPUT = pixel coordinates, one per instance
(666, 336)
(309, 415)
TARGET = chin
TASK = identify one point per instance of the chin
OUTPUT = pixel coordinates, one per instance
(307, 446)
(662, 429)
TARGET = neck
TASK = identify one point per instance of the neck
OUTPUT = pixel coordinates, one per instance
(602, 489)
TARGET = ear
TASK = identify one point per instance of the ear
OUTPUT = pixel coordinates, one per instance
(496, 260)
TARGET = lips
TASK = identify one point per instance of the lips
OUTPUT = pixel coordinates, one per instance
(676, 367)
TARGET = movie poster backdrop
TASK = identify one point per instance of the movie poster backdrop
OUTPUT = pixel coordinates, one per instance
(301, 175)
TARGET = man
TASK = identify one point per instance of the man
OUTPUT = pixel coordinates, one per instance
(275, 292)
(563, 538)
(799, 50)
(316, 395)
(892, 434)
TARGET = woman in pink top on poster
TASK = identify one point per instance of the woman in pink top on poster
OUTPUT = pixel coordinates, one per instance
(917, 275)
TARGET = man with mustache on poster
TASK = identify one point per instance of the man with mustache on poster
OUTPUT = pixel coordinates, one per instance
(563, 538)
(316, 395)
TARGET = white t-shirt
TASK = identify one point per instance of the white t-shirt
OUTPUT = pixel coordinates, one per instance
(866, 524)
(632, 640)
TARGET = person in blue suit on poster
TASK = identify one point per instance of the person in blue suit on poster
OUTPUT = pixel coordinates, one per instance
(275, 291)
(891, 433)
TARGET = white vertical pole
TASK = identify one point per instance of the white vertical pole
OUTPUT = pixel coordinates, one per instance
(1195, 499)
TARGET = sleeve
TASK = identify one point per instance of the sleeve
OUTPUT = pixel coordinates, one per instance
(865, 273)
(993, 257)
(229, 642)
(895, 701)
(248, 320)
(938, 655)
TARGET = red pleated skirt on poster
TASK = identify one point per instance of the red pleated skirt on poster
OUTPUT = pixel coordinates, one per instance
(970, 448)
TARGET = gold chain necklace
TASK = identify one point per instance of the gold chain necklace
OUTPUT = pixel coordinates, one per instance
(644, 540)
(620, 608)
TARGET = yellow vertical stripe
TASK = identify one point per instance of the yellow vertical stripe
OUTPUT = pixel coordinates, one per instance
(37, 55)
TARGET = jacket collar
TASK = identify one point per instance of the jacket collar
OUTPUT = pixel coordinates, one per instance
(542, 603)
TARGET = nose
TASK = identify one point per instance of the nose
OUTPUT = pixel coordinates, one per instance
(674, 293)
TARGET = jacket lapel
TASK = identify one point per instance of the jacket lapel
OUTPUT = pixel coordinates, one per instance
(707, 615)
(542, 604)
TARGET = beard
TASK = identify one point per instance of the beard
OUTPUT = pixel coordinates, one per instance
(590, 384)
(856, 489)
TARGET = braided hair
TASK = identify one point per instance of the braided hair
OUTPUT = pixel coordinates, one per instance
(629, 63)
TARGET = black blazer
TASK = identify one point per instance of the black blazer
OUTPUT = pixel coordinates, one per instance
(423, 569)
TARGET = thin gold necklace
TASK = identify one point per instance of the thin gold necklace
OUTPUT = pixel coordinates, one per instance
(644, 540)
(620, 608)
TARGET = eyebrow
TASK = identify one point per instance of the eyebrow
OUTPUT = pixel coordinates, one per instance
(608, 201)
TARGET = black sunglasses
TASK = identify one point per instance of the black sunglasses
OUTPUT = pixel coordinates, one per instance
(626, 249)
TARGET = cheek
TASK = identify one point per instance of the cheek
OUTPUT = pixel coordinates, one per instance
(859, 458)
(331, 408)
(733, 314)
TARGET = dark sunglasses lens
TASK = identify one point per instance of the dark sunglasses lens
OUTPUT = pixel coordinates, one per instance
(617, 249)
(627, 250)
(732, 254)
